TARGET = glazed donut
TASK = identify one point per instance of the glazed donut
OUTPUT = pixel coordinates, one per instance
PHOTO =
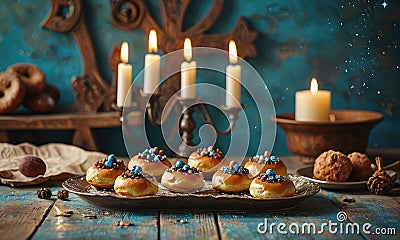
(104, 172)
(260, 163)
(231, 179)
(182, 178)
(153, 161)
(206, 160)
(32, 77)
(270, 185)
(12, 92)
(135, 183)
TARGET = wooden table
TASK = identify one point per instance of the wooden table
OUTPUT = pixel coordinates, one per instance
(23, 216)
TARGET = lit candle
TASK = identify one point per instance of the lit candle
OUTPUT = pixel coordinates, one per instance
(124, 80)
(313, 105)
(188, 72)
(233, 77)
(151, 65)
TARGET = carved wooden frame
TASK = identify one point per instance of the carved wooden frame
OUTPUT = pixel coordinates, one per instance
(92, 93)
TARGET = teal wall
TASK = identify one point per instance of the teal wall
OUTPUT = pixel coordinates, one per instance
(352, 47)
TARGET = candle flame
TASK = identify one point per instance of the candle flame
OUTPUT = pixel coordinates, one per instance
(153, 41)
(124, 52)
(233, 58)
(187, 49)
(314, 86)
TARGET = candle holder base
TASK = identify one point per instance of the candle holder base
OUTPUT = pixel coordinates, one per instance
(186, 126)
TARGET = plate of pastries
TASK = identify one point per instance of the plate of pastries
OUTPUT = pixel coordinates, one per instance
(335, 170)
(206, 180)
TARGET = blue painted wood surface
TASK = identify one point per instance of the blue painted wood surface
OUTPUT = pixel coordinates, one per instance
(20, 207)
(351, 46)
(188, 225)
(23, 216)
(102, 227)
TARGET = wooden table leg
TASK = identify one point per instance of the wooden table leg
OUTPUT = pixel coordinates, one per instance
(83, 137)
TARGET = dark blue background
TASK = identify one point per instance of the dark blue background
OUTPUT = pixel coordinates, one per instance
(352, 47)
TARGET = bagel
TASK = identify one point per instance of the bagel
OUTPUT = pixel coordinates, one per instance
(32, 77)
(12, 92)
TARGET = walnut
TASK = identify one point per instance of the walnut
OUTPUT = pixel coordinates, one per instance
(44, 193)
(62, 194)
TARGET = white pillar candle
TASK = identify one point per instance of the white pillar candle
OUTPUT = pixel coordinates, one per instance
(124, 79)
(313, 105)
(233, 78)
(188, 73)
(151, 65)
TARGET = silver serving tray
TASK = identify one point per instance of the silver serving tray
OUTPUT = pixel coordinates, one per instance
(207, 198)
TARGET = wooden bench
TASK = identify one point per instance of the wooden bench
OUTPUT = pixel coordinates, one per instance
(81, 123)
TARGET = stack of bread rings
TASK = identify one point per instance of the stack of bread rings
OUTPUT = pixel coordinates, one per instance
(26, 84)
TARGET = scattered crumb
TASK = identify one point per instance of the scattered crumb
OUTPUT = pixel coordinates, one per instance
(60, 213)
(349, 200)
(124, 224)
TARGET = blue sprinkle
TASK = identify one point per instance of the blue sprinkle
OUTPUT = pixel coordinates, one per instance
(236, 167)
(270, 173)
(180, 164)
(151, 150)
(133, 168)
(138, 168)
(272, 178)
(148, 157)
(225, 169)
(156, 158)
(211, 153)
(136, 172)
(186, 168)
(109, 164)
(111, 158)
(272, 158)
(262, 157)
(146, 151)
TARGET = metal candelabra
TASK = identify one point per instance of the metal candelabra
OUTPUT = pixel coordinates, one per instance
(187, 123)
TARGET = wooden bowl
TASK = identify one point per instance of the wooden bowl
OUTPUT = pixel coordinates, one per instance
(347, 133)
